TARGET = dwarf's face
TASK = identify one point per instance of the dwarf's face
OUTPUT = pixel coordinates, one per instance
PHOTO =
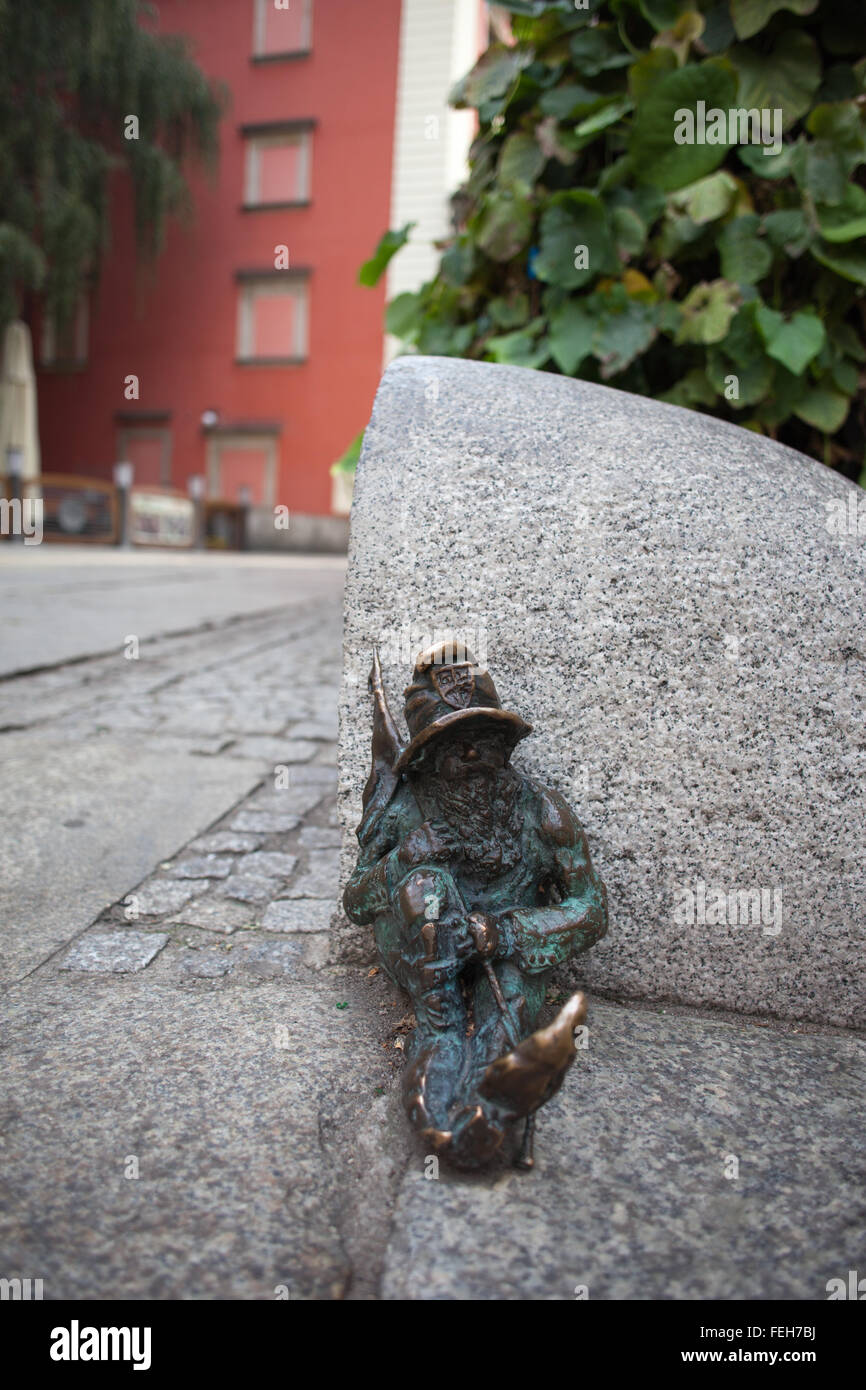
(471, 754)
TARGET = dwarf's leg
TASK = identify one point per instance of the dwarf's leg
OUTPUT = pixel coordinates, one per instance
(523, 996)
(416, 946)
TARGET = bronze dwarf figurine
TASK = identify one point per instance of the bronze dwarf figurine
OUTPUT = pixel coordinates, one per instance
(477, 881)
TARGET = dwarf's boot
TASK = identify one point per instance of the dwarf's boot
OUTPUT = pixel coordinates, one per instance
(513, 1087)
(526, 1078)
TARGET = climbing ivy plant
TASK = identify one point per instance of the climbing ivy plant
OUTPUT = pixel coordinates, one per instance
(595, 239)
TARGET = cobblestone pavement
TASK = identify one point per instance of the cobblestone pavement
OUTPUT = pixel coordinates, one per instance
(182, 1062)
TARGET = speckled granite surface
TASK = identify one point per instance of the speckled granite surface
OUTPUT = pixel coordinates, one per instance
(685, 1158)
(659, 594)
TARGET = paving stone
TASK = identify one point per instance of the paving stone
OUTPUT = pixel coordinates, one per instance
(266, 822)
(320, 837)
(275, 751)
(225, 842)
(209, 748)
(203, 866)
(297, 799)
(269, 959)
(267, 864)
(321, 878)
(160, 895)
(298, 915)
(206, 965)
(322, 730)
(320, 773)
(215, 913)
(251, 888)
(113, 952)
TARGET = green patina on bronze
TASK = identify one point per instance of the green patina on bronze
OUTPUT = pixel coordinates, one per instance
(477, 881)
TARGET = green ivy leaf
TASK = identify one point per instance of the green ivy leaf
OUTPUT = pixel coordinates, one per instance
(521, 160)
(846, 340)
(492, 75)
(372, 270)
(820, 171)
(348, 460)
(753, 379)
(569, 101)
(598, 50)
(575, 218)
(707, 312)
(744, 258)
(440, 338)
(823, 166)
(629, 231)
(458, 262)
(509, 313)
(662, 13)
(707, 199)
(750, 16)
(403, 315)
(787, 78)
(794, 341)
(788, 231)
(622, 334)
(719, 31)
(646, 71)
(504, 224)
(743, 344)
(607, 115)
(571, 331)
(761, 160)
(847, 220)
(841, 122)
(657, 157)
(824, 407)
(847, 261)
(517, 349)
(846, 376)
(778, 404)
(692, 389)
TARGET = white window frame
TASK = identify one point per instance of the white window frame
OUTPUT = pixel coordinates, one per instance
(252, 172)
(252, 289)
(259, 11)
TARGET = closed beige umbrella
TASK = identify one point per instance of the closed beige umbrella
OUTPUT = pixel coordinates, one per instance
(19, 428)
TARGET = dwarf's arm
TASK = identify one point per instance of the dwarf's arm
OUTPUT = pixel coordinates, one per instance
(368, 891)
(542, 937)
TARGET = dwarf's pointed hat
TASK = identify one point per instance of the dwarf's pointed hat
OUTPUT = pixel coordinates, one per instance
(449, 688)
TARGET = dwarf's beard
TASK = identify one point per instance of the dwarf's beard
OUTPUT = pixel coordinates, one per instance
(483, 810)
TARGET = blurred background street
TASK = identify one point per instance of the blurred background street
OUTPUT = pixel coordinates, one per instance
(162, 689)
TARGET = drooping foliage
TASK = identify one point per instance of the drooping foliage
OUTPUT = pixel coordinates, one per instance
(87, 87)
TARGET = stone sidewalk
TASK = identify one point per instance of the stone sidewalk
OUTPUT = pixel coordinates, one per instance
(199, 1102)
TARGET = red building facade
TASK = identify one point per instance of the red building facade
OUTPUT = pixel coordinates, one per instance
(248, 353)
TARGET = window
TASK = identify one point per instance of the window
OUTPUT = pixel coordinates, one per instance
(272, 317)
(282, 28)
(277, 168)
(66, 347)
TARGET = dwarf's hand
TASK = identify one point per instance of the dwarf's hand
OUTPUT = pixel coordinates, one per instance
(484, 934)
(431, 842)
